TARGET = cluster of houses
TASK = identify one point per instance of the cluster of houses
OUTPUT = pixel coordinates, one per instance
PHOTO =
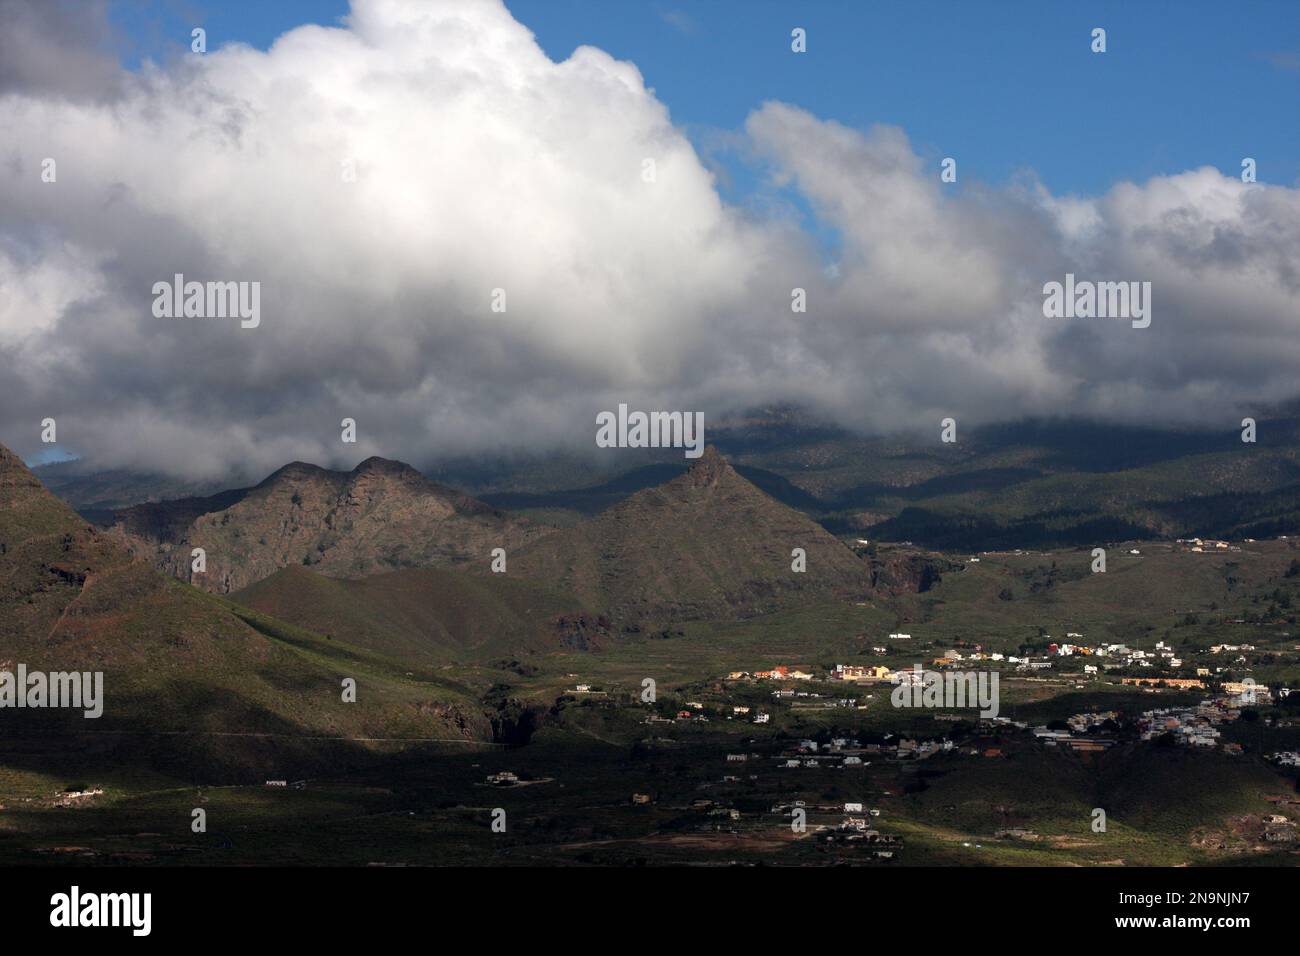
(856, 824)
(846, 752)
(1110, 657)
(1083, 723)
(1197, 726)
(811, 697)
(1121, 652)
(1207, 544)
(782, 672)
(73, 798)
(1231, 649)
(855, 827)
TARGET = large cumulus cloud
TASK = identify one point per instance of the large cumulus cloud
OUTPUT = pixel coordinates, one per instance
(482, 164)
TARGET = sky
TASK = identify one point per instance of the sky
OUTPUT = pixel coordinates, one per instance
(504, 146)
(1186, 83)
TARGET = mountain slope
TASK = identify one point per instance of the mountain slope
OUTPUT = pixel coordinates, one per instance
(381, 516)
(707, 544)
(180, 662)
(427, 615)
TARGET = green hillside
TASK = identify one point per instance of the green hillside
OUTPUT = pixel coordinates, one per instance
(707, 544)
(429, 615)
(186, 672)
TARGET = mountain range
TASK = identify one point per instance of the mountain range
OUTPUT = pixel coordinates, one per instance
(182, 667)
(381, 516)
(1036, 483)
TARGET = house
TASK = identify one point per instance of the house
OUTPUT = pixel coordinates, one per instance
(761, 718)
(640, 798)
(1086, 745)
(852, 808)
(1182, 683)
(737, 758)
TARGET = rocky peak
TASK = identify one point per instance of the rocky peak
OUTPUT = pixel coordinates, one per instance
(375, 465)
(708, 469)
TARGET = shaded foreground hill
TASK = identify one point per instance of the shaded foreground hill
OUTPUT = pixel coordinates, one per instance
(226, 686)
(430, 615)
(705, 545)
(381, 516)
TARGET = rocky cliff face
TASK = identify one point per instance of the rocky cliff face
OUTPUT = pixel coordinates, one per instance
(909, 573)
(382, 516)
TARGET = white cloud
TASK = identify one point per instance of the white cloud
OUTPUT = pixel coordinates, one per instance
(483, 164)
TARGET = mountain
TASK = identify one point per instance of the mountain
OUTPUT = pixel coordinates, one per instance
(96, 494)
(577, 503)
(430, 615)
(185, 672)
(707, 544)
(1036, 483)
(381, 516)
(1039, 483)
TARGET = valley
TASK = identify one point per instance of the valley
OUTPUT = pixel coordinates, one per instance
(652, 684)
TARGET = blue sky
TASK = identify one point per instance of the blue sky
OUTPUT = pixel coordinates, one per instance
(1008, 88)
(1003, 87)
